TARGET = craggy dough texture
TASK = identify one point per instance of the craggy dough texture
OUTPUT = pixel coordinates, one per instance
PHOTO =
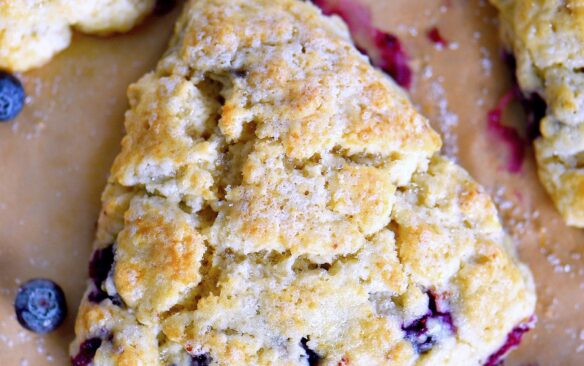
(273, 186)
(547, 37)
(32, 31)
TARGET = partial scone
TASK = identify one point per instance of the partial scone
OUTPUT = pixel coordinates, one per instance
(32, 31)
(278, 201)
(547, 38)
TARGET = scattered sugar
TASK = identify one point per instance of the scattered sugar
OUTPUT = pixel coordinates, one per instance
(427, 72)
(33, 127)
(486, 63)
(408, 29)
(559, 265)
(38, 262)
(447, 120)
(571, 332)
(519, 221)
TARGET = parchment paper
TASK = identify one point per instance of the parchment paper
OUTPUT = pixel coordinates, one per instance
(55, 157)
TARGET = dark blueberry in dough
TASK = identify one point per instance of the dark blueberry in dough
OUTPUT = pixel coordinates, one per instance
(312, 356)
(535, 108)
(99, 267)
(239, 73)
(40, 306)
(418, 332)
(201, 360)
(11, 96)
(86, 353)
(533, 105)
(162, 7)
(101, 263)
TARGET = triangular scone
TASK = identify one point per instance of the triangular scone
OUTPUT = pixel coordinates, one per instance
(32, 31)
(278, 201)
(547, 38)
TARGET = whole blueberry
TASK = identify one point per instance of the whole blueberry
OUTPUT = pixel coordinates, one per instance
(11, 96)
(40, 305)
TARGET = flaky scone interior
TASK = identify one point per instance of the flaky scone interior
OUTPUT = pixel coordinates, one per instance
(278, 201)
(547, 39)
(32, 31)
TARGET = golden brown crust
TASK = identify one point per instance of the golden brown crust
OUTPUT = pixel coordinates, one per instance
(267, 142)
(547, 38)
(32, 31)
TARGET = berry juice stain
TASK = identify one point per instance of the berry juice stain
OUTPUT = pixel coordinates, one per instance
(509, 136)
(384, 49)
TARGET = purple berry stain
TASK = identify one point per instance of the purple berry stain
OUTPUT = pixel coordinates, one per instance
(512, 341)
(40, 306)
(435, 37)
(86, 353)
(426, 331)
(507, 135)
(99, 267)
(384, 49)
(533, 105)
(534, 108)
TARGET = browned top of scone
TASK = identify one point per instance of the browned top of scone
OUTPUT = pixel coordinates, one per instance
(277, 200)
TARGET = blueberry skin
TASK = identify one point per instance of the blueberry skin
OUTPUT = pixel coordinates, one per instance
(11, 96)
(313, 358)
(40, 305)
(201, 360)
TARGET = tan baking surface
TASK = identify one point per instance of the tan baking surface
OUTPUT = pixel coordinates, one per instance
(54, 160)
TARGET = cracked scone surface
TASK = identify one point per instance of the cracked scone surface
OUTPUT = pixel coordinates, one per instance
(547, 38)
(278, 201)
(32, 31)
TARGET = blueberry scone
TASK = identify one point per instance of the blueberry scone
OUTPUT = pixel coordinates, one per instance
(278, 201)
(32, 31)
(547, 38)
